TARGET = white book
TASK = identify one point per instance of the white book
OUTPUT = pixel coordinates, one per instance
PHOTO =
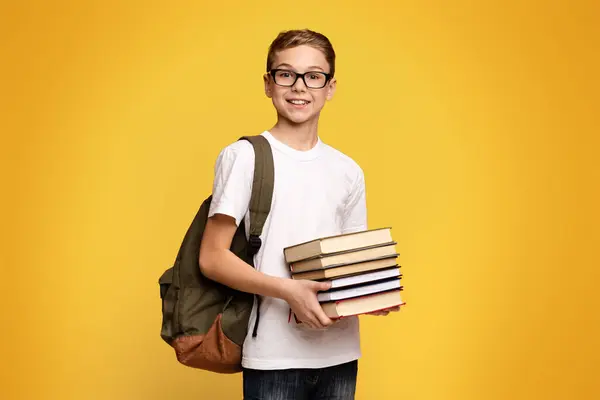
(358, 291)
(365, 277)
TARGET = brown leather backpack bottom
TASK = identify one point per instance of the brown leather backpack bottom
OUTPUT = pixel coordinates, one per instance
(213, 351)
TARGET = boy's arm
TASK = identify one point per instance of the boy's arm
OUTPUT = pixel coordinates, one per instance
(218, 263)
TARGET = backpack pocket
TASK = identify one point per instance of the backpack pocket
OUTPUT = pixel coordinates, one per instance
(168, 296)
(202, 342)
(165, 282)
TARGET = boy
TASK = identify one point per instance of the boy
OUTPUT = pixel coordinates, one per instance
(318, 192)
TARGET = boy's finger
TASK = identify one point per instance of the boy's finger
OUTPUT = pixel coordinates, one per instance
(323, 319)
(314, 323)
(321, 286)
(308, 322)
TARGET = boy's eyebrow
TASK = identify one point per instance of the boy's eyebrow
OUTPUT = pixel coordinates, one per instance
(311, 68)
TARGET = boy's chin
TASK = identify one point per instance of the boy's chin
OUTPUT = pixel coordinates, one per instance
(297, 119)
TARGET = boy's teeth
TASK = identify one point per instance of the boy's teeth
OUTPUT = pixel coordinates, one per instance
(299, 102)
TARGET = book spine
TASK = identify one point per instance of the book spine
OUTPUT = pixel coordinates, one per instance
(374, 311)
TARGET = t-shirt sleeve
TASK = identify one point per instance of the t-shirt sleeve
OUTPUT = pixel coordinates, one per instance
(355, 213)
(232, 185)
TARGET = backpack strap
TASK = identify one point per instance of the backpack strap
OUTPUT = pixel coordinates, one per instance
(260, 200)
(262, 188)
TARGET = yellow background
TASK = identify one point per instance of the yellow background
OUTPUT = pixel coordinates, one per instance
(476, 124)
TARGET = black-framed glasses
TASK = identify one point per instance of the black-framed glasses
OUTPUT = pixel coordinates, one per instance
(312, 79)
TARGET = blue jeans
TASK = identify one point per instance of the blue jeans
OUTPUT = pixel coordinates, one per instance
(336, 383)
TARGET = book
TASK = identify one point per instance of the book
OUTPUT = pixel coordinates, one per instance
(360, 290)
(330, 245)
(348, 270)
(348, 257)
(362, 305)
(367, 277)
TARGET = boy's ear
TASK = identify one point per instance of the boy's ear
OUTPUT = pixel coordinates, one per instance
(267, 85)
(331, 88)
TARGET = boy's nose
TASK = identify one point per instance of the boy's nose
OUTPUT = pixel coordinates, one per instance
(299, 85)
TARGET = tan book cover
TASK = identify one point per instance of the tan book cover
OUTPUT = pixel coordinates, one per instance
(348, 270)
(349, 257)
(362, 305)
(337, 244)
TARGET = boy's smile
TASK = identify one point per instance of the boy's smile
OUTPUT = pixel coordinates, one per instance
(299, 103)
(299, 83)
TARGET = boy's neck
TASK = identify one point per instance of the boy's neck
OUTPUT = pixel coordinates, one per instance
(302, 137)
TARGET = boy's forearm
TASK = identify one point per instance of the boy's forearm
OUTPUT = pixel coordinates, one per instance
(225, 267)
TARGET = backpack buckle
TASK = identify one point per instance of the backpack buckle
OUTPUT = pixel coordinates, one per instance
(255, 243)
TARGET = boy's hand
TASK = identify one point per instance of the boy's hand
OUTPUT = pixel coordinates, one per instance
(301, 295)
(385, 312)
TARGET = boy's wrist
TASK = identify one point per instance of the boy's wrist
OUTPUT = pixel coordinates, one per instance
(280, 287)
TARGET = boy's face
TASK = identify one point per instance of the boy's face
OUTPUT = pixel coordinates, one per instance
(299, 103)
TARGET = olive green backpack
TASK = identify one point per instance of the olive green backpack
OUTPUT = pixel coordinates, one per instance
(204, 321)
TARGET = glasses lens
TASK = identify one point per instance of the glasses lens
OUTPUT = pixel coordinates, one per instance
(285, 78)
(315, 80)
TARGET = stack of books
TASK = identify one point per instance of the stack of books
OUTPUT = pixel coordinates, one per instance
(362, 268)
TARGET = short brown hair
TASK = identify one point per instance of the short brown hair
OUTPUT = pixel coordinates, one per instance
(294, 38)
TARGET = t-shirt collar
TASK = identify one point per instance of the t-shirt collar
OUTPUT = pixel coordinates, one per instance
(311, 154)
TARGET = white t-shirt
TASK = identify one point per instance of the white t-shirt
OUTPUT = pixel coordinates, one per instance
(319, 192)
